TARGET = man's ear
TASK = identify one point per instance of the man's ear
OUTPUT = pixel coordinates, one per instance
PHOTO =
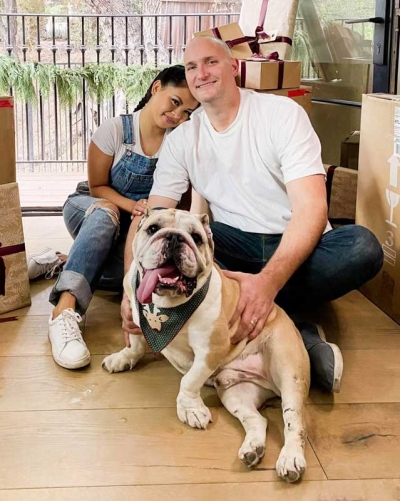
(235, 67)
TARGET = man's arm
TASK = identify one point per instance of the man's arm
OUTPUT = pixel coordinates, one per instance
(309, 218)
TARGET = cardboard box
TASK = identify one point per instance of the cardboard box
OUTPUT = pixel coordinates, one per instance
(301, 95)
(269, 74)
(229, 33)
(278, 23)
(7, 141)
(378, 195)
(341, 187)
(14, 282)
(350, 149)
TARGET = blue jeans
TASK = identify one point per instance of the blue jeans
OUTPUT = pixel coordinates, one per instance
(97, 254)
(344, 259)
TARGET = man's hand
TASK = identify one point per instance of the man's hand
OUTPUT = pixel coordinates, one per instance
(255, 304)
(128, 326)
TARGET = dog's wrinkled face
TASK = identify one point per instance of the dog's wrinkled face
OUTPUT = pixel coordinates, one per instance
(173, 251)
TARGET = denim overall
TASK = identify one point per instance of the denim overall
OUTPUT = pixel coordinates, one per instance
(97, 254)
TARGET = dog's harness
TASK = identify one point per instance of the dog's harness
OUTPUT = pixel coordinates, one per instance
(161, 325)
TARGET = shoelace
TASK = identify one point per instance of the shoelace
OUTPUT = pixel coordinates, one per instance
(70, 329)
(55, 270)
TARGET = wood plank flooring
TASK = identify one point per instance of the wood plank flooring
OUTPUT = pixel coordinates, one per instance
(88, 435)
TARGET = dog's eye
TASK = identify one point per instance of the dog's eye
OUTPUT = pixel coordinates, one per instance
(197, 238)
(152, 229)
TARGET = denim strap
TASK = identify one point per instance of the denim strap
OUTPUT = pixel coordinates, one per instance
(127, 124)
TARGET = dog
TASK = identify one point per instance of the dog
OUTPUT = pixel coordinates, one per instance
(173, 268)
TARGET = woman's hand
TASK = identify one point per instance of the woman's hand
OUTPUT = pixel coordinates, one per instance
(139, 208)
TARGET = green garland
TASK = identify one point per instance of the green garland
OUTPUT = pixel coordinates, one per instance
(29, 80)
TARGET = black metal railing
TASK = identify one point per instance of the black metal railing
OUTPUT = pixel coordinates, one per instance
(50, 137)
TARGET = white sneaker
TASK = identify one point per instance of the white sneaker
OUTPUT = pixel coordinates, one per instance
(48, 262)
(67, 345)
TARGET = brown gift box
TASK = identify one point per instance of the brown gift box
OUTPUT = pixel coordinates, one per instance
(378, 195)
(7, 141)
(301, 95)
(229, 33)
(265, 75)
(341, 187)
(14, 282)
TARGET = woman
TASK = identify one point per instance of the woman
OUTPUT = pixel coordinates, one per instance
(122, 157)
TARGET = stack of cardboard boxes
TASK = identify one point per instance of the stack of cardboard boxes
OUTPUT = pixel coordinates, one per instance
(14, 282)
(263, 73)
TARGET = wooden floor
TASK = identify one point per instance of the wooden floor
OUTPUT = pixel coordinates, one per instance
(88, 435)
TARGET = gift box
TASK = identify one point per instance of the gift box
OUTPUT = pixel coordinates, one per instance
(301, 95)
(341, 188)
(14, 282)
(263, 74)
(233, 36)
(271, 23)
(7, 141)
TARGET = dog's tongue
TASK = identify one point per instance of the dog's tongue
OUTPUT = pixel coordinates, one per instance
(150, 280)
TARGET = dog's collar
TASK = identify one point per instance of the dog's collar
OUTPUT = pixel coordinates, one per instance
(161, 325)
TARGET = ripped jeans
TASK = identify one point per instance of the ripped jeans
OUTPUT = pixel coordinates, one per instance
(96, 258)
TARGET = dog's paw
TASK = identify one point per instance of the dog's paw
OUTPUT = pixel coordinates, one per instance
(119, 362)
(196, 416)
(291, 463)
(251, 452)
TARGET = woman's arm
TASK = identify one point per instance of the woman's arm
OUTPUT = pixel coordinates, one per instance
(99, 166)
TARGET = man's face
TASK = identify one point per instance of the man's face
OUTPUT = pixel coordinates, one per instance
(210, 72)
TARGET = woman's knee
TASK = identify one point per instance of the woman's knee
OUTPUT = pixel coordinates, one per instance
(106, 206)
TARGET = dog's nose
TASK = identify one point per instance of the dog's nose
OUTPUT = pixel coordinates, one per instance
(175, 238)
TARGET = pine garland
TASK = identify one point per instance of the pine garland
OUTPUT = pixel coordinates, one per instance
(29, 80)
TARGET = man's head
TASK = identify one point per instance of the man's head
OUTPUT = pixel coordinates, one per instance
(210, 69)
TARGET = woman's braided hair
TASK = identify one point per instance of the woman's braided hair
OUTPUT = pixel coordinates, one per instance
(172, 75)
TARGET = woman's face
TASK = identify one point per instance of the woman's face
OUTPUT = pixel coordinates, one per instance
(171, 105)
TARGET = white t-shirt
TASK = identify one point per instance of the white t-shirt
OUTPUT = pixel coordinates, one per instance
(109, 138)
(242, 171)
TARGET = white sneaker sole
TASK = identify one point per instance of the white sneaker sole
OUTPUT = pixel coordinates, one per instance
(338, 357)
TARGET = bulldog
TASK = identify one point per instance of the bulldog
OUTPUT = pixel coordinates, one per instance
(173, 278)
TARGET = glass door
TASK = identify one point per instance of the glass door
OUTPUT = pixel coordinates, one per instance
(346, 52)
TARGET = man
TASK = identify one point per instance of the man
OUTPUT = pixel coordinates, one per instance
(257, 161)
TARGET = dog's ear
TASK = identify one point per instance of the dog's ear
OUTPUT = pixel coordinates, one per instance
(205, 221)
(146, 214)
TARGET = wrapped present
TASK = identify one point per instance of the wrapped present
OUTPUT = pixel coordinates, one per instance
(271, 24)
(341, 187)
(233, 36)
(302, 95)
(7, 141)
(268, 74)
(14, 282)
